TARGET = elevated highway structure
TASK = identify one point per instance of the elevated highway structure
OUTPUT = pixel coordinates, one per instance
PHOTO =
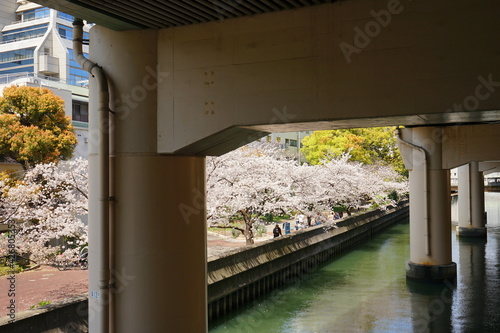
(189, 79)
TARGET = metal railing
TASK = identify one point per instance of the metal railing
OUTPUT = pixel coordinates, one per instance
(37, 79)
(22, 38)
(31, 19)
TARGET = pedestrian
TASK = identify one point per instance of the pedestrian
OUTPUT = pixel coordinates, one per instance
(277, 231)
(301, 221)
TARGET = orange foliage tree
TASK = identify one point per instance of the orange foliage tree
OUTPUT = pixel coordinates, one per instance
(34, 127)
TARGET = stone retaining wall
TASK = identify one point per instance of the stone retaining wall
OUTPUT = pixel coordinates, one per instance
(65, 316)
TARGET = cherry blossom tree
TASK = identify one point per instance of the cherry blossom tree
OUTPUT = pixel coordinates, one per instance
(247, 183)
(256, 179)
(352, 184)
(47, 207)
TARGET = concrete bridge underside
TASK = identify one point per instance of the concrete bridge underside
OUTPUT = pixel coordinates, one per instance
(181, 90)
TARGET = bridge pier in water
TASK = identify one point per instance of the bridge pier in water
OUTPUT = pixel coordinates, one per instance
(429, 153)
(430, 214)
(471, 216)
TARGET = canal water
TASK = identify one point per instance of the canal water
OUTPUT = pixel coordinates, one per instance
(366, 291)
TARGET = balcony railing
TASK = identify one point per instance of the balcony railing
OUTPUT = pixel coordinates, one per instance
(38, 79)
(31, 19)
(22, 38)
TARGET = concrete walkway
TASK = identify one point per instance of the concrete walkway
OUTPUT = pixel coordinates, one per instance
(43, 284)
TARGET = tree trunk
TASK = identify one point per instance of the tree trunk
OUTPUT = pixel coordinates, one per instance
(248, 229)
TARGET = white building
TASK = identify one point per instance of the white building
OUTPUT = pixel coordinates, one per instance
(290, 141)
(36, 50)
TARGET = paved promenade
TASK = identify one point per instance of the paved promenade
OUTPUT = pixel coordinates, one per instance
(43, 284)
(49, 284)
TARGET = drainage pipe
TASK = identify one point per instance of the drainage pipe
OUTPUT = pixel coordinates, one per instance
(105, 173)
(426, 194)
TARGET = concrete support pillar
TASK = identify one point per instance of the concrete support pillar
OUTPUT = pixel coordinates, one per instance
(160, 244)
(159, 235)
(430, 215)
(471, 219)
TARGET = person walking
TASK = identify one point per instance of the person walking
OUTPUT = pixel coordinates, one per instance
(277, 231)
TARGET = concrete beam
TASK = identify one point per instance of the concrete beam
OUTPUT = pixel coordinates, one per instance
(345, 64)
(464, 144)
(460, 145)
(489, 167)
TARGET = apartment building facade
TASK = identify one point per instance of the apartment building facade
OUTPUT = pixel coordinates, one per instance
(36, 50)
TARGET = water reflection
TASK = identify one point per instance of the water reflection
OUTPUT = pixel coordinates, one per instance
(471, 306)
(431, 306)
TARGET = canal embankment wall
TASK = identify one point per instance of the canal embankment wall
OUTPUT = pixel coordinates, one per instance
(239, 277)
(69, 315)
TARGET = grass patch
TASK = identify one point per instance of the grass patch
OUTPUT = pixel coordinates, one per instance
(41, 303)
(20, 265)
(5, 270)
(275, 218)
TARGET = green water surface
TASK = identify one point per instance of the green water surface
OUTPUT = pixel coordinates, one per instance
(366, 291)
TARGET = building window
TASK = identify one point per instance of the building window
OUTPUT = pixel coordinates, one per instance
(77, 76)
(80, 111)
(17, 61)
(16, 64)
(35, 14)
(65, 16)
(67, 32)
(17, 55)
(20, 72)
(64, 31)
(24, 33)
(293, 143)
